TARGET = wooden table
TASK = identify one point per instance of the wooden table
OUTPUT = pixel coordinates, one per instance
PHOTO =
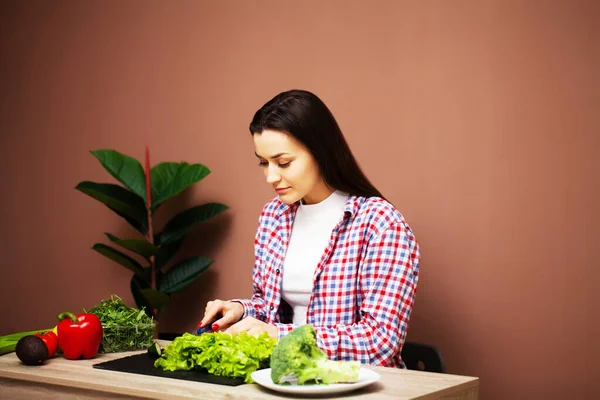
(59, 378)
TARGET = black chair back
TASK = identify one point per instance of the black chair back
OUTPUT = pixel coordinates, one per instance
(422, 357)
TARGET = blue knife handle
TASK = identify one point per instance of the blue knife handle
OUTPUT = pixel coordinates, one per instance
(207, 328)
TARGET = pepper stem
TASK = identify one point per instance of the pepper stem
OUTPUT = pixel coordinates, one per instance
(66, 315)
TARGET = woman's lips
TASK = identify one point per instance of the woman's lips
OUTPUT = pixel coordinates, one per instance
(281, 190)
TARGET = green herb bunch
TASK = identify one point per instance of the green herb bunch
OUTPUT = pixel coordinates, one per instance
(124, 328)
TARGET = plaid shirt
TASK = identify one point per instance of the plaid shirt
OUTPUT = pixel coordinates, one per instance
(364, 284)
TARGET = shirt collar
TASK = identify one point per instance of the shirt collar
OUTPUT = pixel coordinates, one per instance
(351, 207)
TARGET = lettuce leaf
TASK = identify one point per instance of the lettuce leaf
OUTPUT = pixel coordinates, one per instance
(234, 356)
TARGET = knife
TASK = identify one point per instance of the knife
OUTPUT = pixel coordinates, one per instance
(207, 328)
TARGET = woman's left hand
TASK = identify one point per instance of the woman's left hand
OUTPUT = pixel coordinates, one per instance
(253, 326)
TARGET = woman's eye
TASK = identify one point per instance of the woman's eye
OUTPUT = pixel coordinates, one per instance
(281, 165)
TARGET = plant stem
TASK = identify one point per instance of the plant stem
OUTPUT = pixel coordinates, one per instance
(150, 235)
(150, 238)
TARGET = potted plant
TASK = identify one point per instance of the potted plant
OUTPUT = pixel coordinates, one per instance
(142, 193)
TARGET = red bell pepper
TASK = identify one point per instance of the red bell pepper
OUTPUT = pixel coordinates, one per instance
(51, 341)
(79, 336)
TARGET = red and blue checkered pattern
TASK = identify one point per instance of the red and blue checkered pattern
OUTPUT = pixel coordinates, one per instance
(364, 285)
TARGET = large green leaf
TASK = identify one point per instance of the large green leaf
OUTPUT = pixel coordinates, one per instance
(183, 274)
(117, 198)
(165, 252)
(146, 276)
(169, 179)
(119, 257)
(137, 285)
(156, 299)
(141, 227)
(180, 224)
(125, 169)
(138, 246)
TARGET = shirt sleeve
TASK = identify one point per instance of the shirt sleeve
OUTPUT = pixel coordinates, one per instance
(255, 306)
(386, 289)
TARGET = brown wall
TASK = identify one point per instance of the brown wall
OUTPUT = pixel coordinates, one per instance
(478, 120)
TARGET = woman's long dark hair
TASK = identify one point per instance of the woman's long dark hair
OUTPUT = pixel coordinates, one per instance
(304, 116)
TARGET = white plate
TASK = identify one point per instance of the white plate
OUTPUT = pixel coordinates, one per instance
(365, 377)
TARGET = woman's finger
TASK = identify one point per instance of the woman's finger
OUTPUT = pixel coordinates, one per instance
(239, 327)
(231, 314)
(255, 331)
(213, 308)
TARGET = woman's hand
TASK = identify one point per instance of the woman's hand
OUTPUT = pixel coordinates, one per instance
(229, 311)
(253, 326)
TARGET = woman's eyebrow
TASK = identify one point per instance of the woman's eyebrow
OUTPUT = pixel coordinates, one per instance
(275, 156)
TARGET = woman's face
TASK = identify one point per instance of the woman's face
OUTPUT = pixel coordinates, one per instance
(289, 168)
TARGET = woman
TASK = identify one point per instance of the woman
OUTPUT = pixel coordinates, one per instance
(330, 251)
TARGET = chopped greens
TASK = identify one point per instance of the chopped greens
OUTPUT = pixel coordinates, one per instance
(124, 328)
(233, 356)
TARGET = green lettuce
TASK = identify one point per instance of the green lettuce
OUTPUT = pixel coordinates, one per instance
(234, 356)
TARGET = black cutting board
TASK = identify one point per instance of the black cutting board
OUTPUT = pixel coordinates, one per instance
(144, 364)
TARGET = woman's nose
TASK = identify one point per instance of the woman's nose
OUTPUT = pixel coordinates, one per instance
(272, 175)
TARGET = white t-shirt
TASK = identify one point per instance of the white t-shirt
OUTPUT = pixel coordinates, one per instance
(310, 236)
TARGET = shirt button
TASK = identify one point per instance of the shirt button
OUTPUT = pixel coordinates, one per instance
(271, 308)
(277, 271)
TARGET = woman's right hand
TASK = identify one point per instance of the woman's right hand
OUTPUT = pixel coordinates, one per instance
(229, 312)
